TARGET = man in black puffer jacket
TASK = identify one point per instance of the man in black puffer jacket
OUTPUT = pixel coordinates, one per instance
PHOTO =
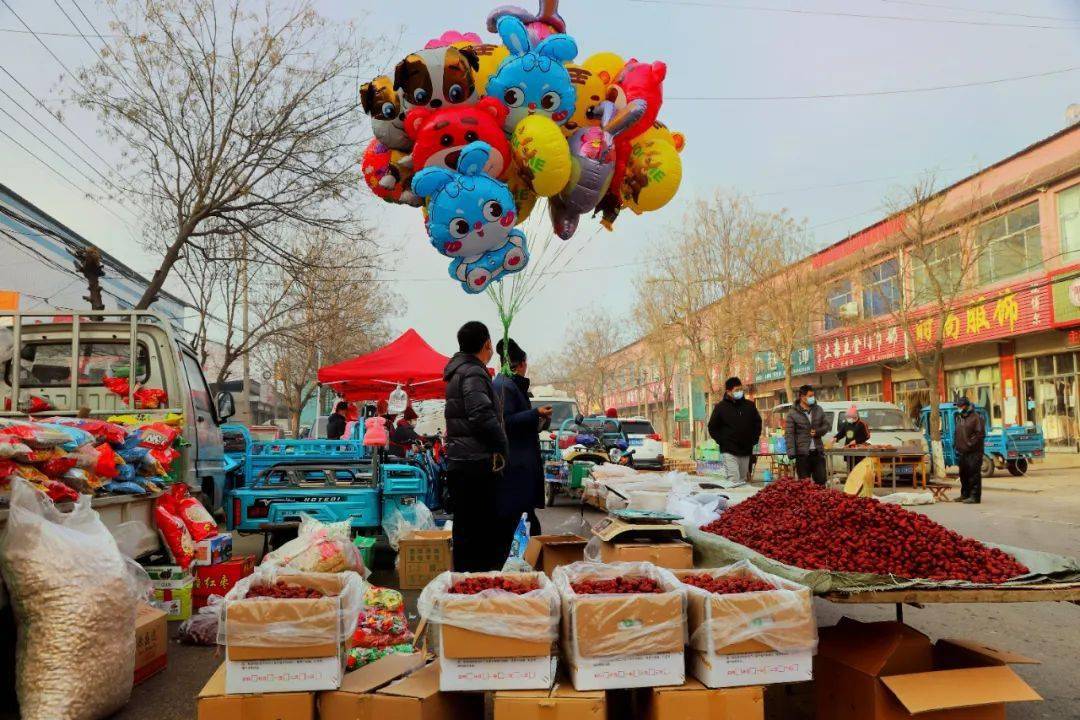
(475, 451)
(735, 425)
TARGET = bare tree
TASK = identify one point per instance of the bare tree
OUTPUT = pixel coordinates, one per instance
(653, 310)
(940, 250)
(233, 116)
(334, 316)
(583, 363)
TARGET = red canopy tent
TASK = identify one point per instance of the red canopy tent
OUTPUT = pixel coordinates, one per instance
(408, 361)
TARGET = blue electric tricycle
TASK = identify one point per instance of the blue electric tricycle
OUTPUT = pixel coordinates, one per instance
(1012, 447)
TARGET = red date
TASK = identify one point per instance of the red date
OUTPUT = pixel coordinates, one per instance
(801, 524)
(617, 586)
(283, 591)
(727, 585)
(474, 585)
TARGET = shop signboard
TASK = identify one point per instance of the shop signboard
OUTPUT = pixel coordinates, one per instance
(1065, 287)
(1015, 310)
(767, 366)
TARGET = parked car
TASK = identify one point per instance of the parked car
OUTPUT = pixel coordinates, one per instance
(889, 425)
(647, 444)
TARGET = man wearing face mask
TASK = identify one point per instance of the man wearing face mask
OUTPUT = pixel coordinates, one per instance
(805, 430)
(969, 439)
(735, 425)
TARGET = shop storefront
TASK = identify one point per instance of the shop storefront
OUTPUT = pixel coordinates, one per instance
(981, 385)
(911, 396)
(1050, 385)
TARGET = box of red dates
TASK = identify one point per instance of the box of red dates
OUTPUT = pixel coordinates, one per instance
(218, 579)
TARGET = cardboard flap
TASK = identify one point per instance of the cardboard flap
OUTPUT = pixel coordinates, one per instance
(381, 672)
(215, 686)
(949, 689)
(426, 535)
(874, 648)
(1003, 656)
(610, 528)
(421, 684)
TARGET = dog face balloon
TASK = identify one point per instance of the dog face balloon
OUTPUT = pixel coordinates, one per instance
(437, 77)
(533, 81)
(383, 104)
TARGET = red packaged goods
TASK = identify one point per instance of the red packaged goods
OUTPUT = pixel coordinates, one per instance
(57, 466)
(480, 583)
(283, 590)
(105, 465)
(219, 578)
(159, 438)
(810, 527)
(175, 534)
(145, 398)
(727, 585)
(101, 430)
(617, 586)
(199, 522)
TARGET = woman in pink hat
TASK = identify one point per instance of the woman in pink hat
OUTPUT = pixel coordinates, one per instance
(852, 431)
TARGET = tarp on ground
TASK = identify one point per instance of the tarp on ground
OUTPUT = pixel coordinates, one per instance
(712, 551)
(408, 361)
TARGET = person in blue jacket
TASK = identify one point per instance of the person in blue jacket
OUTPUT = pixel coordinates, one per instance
(522, 487)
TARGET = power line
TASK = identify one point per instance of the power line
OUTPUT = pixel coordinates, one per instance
(18, 31)
(845, 14)
(877, 93)
(956, 8)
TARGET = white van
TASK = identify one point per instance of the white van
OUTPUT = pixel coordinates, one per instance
(563, 408)
(889, 425)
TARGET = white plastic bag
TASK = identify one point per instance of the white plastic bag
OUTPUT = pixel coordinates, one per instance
(697, 509)
(395, 524)
(132, 536)
(909, 498)
(533, 615)
(74, 600)
(319, 547)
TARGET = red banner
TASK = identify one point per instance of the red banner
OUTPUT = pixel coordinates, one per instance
(1016, 310)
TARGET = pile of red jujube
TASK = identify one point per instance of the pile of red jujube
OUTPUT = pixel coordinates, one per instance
(480, 583)
(617, 586)
(283, 591)
(801, 524)
(728, 584)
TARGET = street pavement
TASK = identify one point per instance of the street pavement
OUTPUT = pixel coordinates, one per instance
(1041, 511)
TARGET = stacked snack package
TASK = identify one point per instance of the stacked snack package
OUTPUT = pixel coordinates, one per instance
(382, 628)
(182, 521)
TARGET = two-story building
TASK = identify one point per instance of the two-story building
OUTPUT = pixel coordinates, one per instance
(1012, 337)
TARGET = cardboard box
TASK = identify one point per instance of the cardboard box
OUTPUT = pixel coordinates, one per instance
(172, 590)
(254, 628)
(889, 671)
(245, 677)
(219, 579)
(547, 552)
(214, 704)
(151, 641)
(561, 702)
(423, 554)
(473, 660)
(673, 554)
(213, 550)
(417, 697)
(719, 664)
(604, 637)
(694, 700)
(354, 699)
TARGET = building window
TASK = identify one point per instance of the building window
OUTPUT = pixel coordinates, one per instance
(881, 288)
(936, 270)
(912, 396)
(1010, 244)
(1068, 202)
(1051, 398)
(836, 297)
(870, 391)
(980, 385)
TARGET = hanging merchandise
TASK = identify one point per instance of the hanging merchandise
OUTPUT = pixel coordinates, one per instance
(399, 400)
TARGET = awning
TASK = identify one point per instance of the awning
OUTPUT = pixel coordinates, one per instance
(408, 361)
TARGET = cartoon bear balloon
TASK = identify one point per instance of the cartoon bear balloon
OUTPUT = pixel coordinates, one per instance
(471, 219)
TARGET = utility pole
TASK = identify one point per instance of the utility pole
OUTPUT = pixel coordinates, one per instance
(245, 404)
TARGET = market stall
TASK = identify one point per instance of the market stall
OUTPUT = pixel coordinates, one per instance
(408, 362)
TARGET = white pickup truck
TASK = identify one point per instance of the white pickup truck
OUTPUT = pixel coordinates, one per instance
(63, 360)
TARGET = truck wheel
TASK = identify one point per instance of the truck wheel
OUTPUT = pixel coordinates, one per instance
(988, 466)
(549, 494)
(1018, 467)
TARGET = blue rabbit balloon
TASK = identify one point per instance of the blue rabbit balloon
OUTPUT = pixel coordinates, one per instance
(533, 80)
(471, 219)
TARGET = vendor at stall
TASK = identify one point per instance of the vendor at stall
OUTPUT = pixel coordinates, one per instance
(335, 424)
(852, 430)
(404, 437)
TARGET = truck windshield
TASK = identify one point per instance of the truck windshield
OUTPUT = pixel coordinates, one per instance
(886, 419)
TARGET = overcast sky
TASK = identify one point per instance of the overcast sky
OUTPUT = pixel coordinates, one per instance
(830, 160)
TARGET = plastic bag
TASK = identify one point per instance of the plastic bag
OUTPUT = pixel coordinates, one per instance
(328, 620)
(36, 435)
(74, 598)
(319, 547)
(698, 509)
(77, 437)
(530, 616)
(782, 618)
(173, 531)
(909, 498)
(58, 466)
(621, 625)
(10, 447)
(515, 560)
(101, 430)
(132, 536)
(202, 627)
(199, 522)
(396, 524)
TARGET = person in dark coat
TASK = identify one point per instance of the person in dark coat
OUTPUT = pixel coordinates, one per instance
(476, 451)
(852, 430)
(735, 425)
(523, 481)
(969, 439)
(404, 436)
(335, 424)
(804, 431)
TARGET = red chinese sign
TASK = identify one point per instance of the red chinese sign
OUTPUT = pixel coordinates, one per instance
(1016, 310)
